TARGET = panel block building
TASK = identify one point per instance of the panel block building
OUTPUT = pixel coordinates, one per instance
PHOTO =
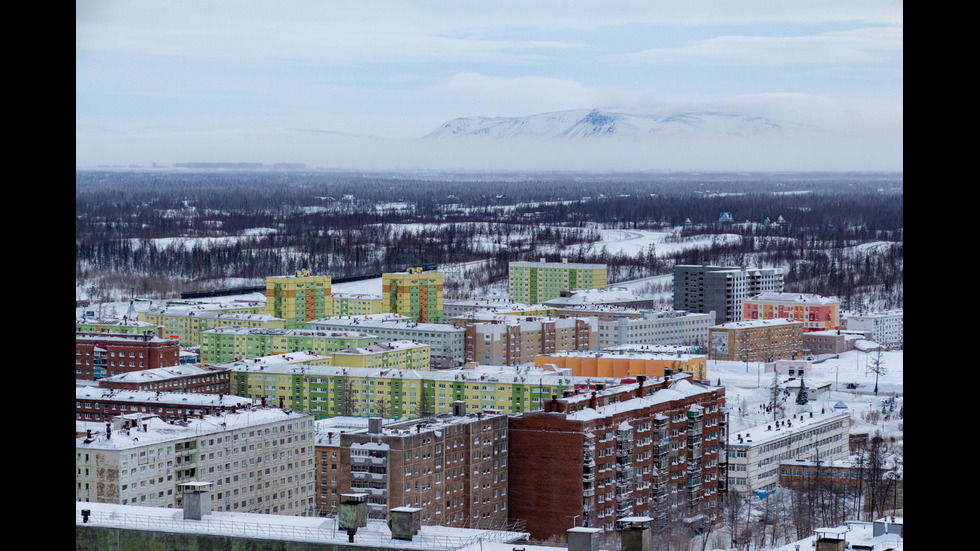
(756, 340)
(452, 466)
(818, 313)
(298, 298)
(655, 448)
(537, 282)
(415, 293)
(721, 289)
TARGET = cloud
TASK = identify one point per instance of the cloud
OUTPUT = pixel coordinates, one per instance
(853, 46)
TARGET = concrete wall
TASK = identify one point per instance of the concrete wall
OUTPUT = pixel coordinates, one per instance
(97, 538)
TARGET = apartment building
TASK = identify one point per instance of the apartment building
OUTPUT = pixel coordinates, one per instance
(756, 340)
(405, 355)
(451, 466)
(755, 455)
(538, 282)
(817, 313)
(93, 404)
(355, 304)
(330, 391)
(607, 296)
(259, 460)
(446, 343)
(126, 326)
(510, 340)
(415, 293)
(627, 364)
(228, 344)
(460, 308)
(832, 341)
(298, 298)
(670, 327)
(197, 379)
(887, 328)
(186, 323)
(655, 448)
(99, 355)
(721, 289)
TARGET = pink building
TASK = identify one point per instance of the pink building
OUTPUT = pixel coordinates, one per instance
(817, 313)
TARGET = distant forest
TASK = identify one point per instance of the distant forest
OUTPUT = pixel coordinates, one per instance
(159, 232)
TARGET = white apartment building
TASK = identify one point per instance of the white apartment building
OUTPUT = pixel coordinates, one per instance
(754, 455)
(886, 328)
(670, 327)
(446, 343)
(258, 461)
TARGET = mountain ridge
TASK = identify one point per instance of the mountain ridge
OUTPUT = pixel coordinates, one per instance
(598, 123)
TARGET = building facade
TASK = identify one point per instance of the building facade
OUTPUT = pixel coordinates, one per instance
(187, 323)
(756, 341)
(298, 298)
(446, 343)
(510, 340)
(887, 328)
(227, 344)
(655, 448)
(755, 455)
(452, 466)
(538, 282)
(355, 304)
(721, 289)
(330, 391)
(670, 327)
(94, 404)
(415, 294)
(817, 313)
(196, 379)
(259, 460)
(99, 355)
(627, 364)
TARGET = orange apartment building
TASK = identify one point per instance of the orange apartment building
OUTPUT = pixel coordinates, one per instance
(817, 313)
(756, 340)
(626, 364)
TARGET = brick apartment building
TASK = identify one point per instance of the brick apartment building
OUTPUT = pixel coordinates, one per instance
(756, 340)
(452, 466)
(652, 448)
(99, 355)
(197, 379)
(103, 404)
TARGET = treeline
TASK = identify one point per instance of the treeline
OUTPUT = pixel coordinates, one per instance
(206, 227)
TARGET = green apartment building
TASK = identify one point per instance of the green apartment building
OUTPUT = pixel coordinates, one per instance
(298, 298)
(228, 344)
(331, 391)
(187, 322)
(537, 282)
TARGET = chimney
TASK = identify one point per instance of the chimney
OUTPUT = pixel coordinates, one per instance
(639, 389)
(405, 522)
(352, 514)
(593, 401)
(197, 499)
(583, 539)
(636, 534)
(374, 425)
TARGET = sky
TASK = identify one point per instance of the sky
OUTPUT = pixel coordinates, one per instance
(357, 84)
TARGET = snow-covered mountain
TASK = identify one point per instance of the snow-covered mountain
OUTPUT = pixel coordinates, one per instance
(593, 123)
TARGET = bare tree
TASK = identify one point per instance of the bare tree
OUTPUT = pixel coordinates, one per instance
(877, 365)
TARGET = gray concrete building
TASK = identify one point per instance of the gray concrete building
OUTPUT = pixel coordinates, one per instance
(721, 289)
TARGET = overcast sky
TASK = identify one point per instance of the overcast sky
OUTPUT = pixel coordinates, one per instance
(174, 81)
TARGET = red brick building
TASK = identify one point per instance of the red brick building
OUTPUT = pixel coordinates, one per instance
(197, 379)
(99, 355)
(102, 404)
(652, 448)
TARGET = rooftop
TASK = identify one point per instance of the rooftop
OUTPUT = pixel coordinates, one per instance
(783, 428)
(293, 529)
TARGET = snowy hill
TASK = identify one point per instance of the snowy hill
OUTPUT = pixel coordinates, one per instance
(589, 124)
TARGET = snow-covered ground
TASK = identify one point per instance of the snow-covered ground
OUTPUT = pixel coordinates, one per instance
(747, 387)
